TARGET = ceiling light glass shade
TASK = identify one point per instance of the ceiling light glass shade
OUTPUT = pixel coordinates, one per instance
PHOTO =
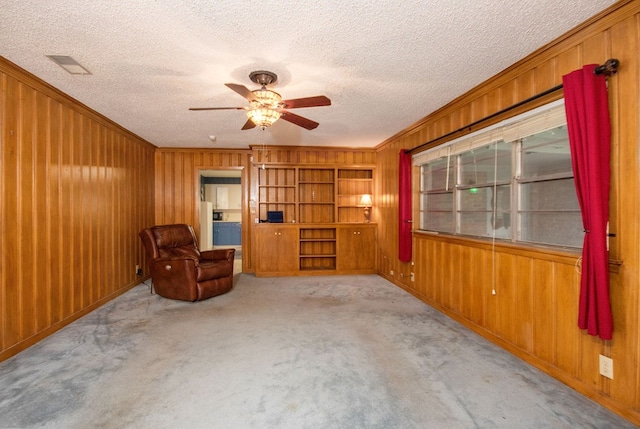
(267, 98)
(263, 116)
(262, 112)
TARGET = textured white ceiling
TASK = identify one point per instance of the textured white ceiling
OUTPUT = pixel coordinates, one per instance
(385, 64)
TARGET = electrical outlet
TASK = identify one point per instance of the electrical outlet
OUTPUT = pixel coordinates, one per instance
(391, 273)
(413, 277)
(606, 366)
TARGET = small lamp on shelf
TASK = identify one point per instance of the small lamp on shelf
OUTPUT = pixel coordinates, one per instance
(366, 202)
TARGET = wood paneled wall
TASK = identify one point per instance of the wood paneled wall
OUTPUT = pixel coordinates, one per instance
(177, 182)
(177, 176)
(76, 189)
(299, 155)
(534, 311)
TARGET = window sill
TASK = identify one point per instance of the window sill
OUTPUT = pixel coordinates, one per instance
(569, 256)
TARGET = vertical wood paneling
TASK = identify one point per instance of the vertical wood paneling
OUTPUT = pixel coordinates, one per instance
(54, 236)
(61, 218)
(546, 76)
(522, 303)
(386, 211)
(625, 212)
(534, 312)
(544, 316)
(589, 370)
(67, 239)
(3, 193)
(26, 223)
(41, 244)
(176, 181)
(467, 284)
(566, 310)
(526, 84)
(11, 239)
(487, 277)
(458, 277)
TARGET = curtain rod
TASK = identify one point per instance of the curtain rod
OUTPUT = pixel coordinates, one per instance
(610, 67)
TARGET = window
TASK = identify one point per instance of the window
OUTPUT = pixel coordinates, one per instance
(484, 190)
(548, 212)
(512, 181)
(437, 183)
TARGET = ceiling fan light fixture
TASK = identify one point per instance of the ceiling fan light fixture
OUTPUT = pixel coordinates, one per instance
(267, 106)
(263, 116)
(266, 98)
(262, 111)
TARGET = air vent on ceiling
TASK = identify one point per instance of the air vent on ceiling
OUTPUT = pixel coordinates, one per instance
(69, 64)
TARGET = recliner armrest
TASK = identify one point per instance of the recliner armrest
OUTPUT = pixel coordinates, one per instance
(218, 254)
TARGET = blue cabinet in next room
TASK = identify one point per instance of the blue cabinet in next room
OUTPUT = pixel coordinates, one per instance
(227, 233)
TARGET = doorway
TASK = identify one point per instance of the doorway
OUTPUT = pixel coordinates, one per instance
(221, 215)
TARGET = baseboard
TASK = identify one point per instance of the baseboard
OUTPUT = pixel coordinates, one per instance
(28, 342)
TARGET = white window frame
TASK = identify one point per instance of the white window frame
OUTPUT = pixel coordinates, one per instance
(512, 130)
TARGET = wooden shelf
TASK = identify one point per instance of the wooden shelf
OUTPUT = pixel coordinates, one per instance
(317, 248)
(326, 203)
(355, 173)
(277, 189)
(317, 239)
(352, 185)
(320, 255)
(314, 194)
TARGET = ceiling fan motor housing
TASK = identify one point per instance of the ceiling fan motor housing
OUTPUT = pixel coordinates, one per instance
(263, 77)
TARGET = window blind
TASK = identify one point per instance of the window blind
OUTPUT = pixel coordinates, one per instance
(543, 118)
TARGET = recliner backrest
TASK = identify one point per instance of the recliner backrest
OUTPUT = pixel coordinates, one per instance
(175, 241)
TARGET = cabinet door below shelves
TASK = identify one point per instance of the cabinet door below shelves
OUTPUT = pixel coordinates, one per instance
(277, 250)
(356, 248)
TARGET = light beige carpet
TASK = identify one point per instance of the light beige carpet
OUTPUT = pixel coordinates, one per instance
(303, 352)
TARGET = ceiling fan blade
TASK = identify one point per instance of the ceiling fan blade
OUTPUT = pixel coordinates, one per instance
(298, 120)
(319, 100)
(217, 108)
(242, 90)
(248, 125)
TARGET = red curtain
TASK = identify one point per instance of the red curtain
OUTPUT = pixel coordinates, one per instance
(404, 207)
(587, 108)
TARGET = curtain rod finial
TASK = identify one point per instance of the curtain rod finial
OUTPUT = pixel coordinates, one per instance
(610, 67)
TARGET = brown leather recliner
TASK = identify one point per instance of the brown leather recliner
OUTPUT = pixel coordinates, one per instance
(179, 270)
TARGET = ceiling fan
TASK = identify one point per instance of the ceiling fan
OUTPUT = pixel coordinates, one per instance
(267, 106)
